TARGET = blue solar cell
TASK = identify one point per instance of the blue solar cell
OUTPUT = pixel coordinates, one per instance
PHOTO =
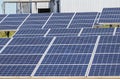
(34, 22)
(70, 49)
(27, 36)
(3, 41)
(63, 14)
(56, 26)
(75, 40)
(17, 15)
(14, 19)
(19, 59)
(64, 31)
(40, 15)
(98, 30)
(30, 41)
(52, 22)
(32, 31)
(110, 16)
(16, 70)
(63, 35)
(59, 18)
(80, 25)
(109, 20)
(106, 59)
(43, 18)
(78, 21)
(61, 70)
(109, 48)
(67, 59)
(31, 26)
(85, 17)
(109, 39)
(10, 23)
(2, 16)
(24, 50)
(8, 27)
(86, 13)
(105, 70)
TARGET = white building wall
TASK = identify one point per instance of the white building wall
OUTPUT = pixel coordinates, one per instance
(87, 5)
(39, 5)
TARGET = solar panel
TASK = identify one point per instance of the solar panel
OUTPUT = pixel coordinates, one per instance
(3, 41)
(24, 50)
(109, 48)
(70, 49)
(75, 40)
(19, 59)
(110, 39)
(54, 22)
(63, 32)
(105, 70)
(27, 36)
(12, 21)
(16, 70)
(30, 41)
(2, 16)
(83, 20)
(31, 32)
(110, 15)
(67, 59)
(117, 32)
(61, 70)
(35, 21)
(107, 59)
(97, 31)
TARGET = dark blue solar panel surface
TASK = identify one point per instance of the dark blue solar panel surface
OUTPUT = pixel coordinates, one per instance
(75, 40)
(105, 70)
(61, 70)
(117, 32)
(58, 22)
(97, 31)
(16, 70)
(19, 59)
(32, 31)
(30, 41)
(109, 48)
(110, 15)
(67, 59)
(24, 50)
(69, 49)
(63, 32)
(2, 16)
(3, 41)
(106, 59)
(110, 39)
(27, 36)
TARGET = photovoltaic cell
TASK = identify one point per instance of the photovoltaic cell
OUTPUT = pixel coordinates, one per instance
(67, 59)
(3, 41)
(106, 59)
(16, 70)
(75, 40)
(105, 70)
(24, 50)
(19, 59)
(70, 49)
(61, 70)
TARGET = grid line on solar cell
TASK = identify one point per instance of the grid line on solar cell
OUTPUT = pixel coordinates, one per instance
(19, 59)
(105, 70)
(24, 50)
(61, 70)
(66, 59)
(76, 40)
(70, 49)
(106, 59)
(16, 70)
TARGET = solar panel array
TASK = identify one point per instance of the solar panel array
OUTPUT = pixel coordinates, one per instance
(110, 15)
(59, 44)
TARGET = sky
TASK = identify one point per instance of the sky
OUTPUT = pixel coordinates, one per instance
(10, 8)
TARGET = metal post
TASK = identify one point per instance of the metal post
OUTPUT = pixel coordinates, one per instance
(4, 7)
(30, 6)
